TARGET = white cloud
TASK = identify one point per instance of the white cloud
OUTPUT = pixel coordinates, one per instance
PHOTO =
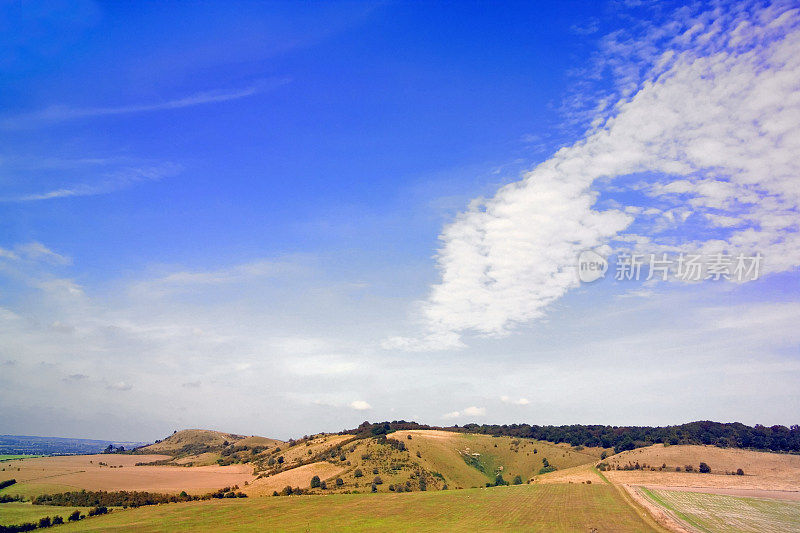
(716, 119)
(360, 405)
(467, 411)
(120, 386)
(520, 401)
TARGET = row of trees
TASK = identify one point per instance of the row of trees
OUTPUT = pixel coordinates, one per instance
(124, 498)
(731, 435)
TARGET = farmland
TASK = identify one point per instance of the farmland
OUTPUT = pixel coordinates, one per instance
(715, 513)
(116, 472)
(529, 507)
(18, 513)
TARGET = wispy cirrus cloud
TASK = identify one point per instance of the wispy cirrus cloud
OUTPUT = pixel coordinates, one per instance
(62, 113)
(708, 107)
(107, 183)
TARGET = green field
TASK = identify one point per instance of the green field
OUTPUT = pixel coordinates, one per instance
(550, 508)
(18, 513)
(12, 457)
(721, 513)
(31, 490)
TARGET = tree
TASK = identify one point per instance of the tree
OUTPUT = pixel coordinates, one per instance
(517, 480)
(323, 485)
(739, 472)
(57, 520)
(358, 473)
(280, 460)
(374, 488)
(704, 468)
(377, 480)
(44, 522)
(315, 482)
(339, 482)
(75, 516)
(499, 481)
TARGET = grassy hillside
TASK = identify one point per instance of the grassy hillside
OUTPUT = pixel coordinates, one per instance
(528, 508)
(187, 439)
(410, 460)
(471, 460)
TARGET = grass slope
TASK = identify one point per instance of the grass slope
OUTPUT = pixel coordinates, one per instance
(470, 460)
(190, 437)
(551, 508)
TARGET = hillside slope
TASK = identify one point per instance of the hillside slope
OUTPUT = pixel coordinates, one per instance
(657, 465)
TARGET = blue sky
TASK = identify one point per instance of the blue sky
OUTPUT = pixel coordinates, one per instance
(281, 218)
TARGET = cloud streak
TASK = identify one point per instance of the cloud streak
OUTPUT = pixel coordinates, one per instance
(55, 114)
(111, 182)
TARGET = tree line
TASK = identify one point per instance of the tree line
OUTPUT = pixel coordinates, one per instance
(728, 435)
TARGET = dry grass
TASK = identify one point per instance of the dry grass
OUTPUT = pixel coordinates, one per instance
(296, 477)
(76, 472)
(763, 470)
(175, 442)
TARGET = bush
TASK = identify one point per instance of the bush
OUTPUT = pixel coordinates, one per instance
(377, 481)
(374, 470)
(7, 483)
(704, 468)
(374, 488)
(339, 482)
(499, 481)
(45, 522)
(75, 516)
(358, 473)
(97, 511)
(315, 482)
(57, 520)
(517, 480)
(739, 472)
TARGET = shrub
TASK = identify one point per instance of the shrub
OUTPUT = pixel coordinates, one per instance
(374, 488)
(323, 485)
(704, 468)
(75, 516)
(517, 480)
(45, 522)
(374, 470)
(339, 482)
(57, 520)
(377, 481)
(499, 481)
(7, 483)
(358, 473)
(315, 482)
(739, 472)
